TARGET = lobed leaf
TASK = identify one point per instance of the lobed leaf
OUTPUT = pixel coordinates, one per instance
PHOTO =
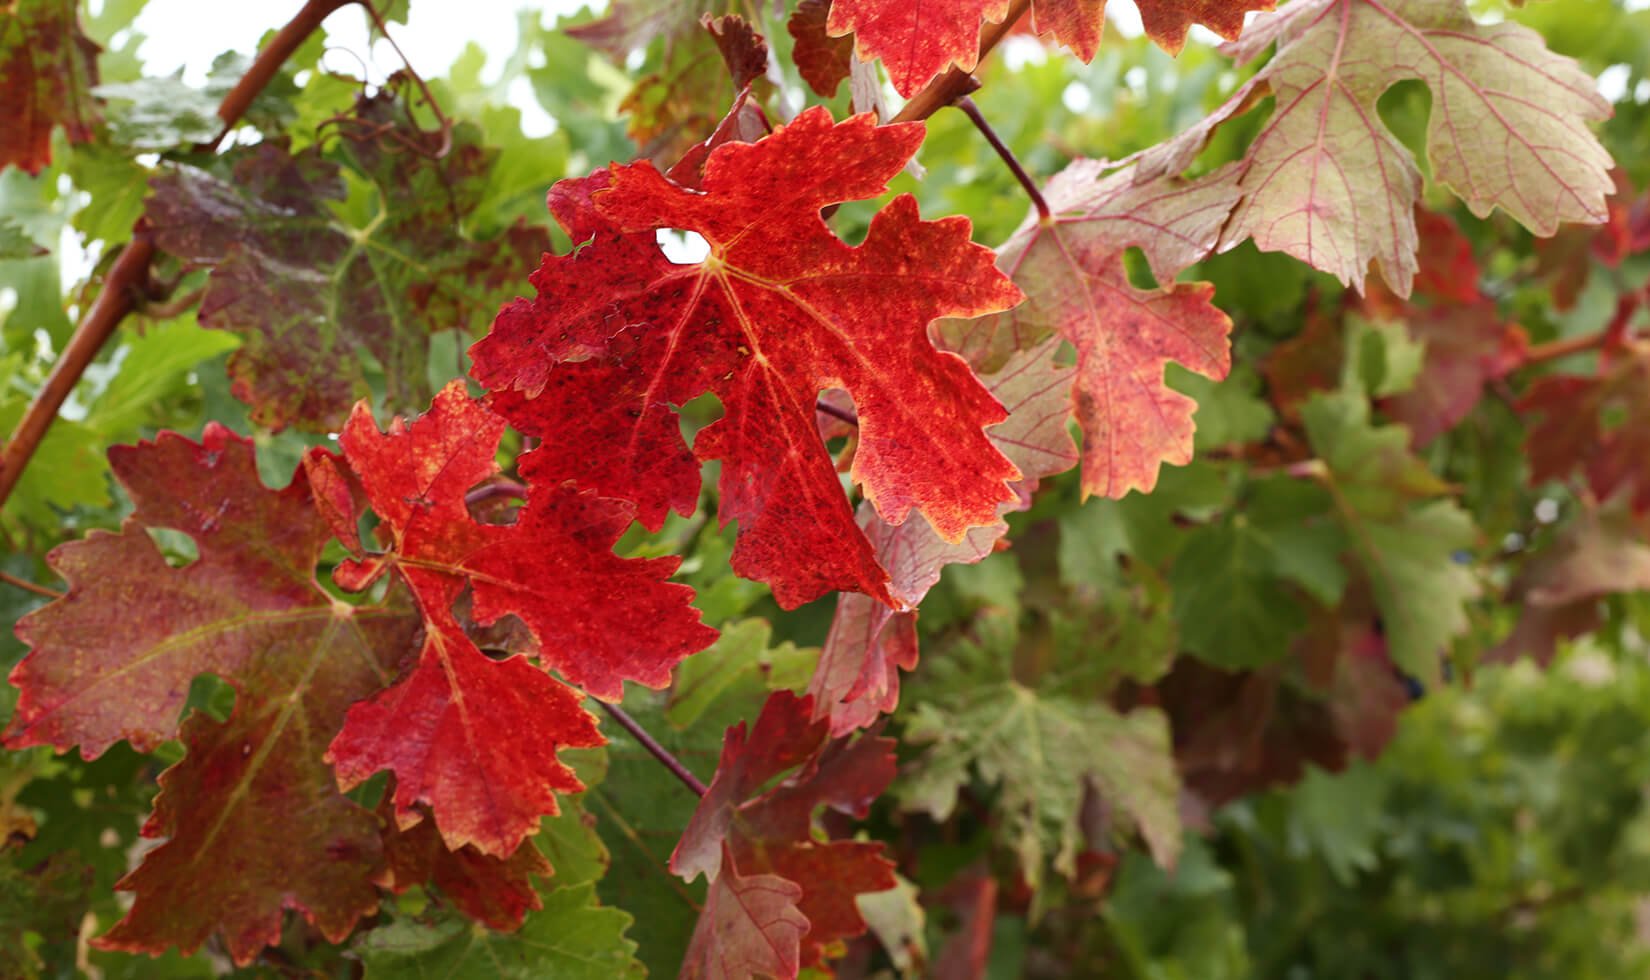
(1327, 182)
(779, 310)
(48, 68)
(474, 739)
(740, 830)
(114, 660)
(307, 290)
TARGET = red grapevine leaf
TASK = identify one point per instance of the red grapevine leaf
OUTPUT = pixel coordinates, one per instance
(749, 927)
(1468, 344)
(473, 739)
(495, 892)
(744, 123)
(744, 51)
(1077, 23)
(1167, 21)
(1600, 423)
(780, 310)
(1466, 348)
(599, 619)
(869, 644)
(1326, 182)
(114, 659)
(48, 68)
(824, 61)
(916, 39)
(1557, 592)
(773, 831)
(1238, 733)
(306, 291)
(1071, 268)
(919, 39)
(234, 855)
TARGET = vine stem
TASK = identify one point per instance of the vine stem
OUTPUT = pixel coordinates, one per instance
(128, 285)
(658, 751)
(976, 117)
(955, 83)
(1556, 349)
(124, 290)
(1614, 335)
(269, 61)
(27, 586)
(843, 415)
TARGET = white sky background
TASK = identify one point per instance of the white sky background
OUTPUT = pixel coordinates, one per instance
(188, 34)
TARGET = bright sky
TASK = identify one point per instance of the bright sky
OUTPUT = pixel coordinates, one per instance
(190, 33)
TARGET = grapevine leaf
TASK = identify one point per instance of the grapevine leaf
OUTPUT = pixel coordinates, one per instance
(1238, 733)
(1326, 182)
(496, 892)
(919, 39)
(306, 290)
(823, 61)
(671, 108)
(740, 659)
(1236, 582)
(750, 927)
(1597, 554)
(48, 68)
(780, 310)
(1233, 609)
(916, 39)
(1077, 23)
(114, 659)
(738, 828)
(1467, 342)
(869, 643)
(1600, 424)
(15, 243)
(1406, 543)
(1042, 750)
(473, 739)
(630, 25)
(571, 937)
(1071, 268)
(553, 568)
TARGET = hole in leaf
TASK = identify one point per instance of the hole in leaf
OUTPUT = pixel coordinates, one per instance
(697, 413)
(211, 694)
(1138, 269)
(682, 247)
(837, 418)
(179, 548)
(495, 501)
(1405, 108)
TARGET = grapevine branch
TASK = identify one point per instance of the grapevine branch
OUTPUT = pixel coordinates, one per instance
(974, 115)
(128, 285)
(658, 751)
(27, 586)
(1557, 349)
(1613, 336)
(124, 290)
(843, 415)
